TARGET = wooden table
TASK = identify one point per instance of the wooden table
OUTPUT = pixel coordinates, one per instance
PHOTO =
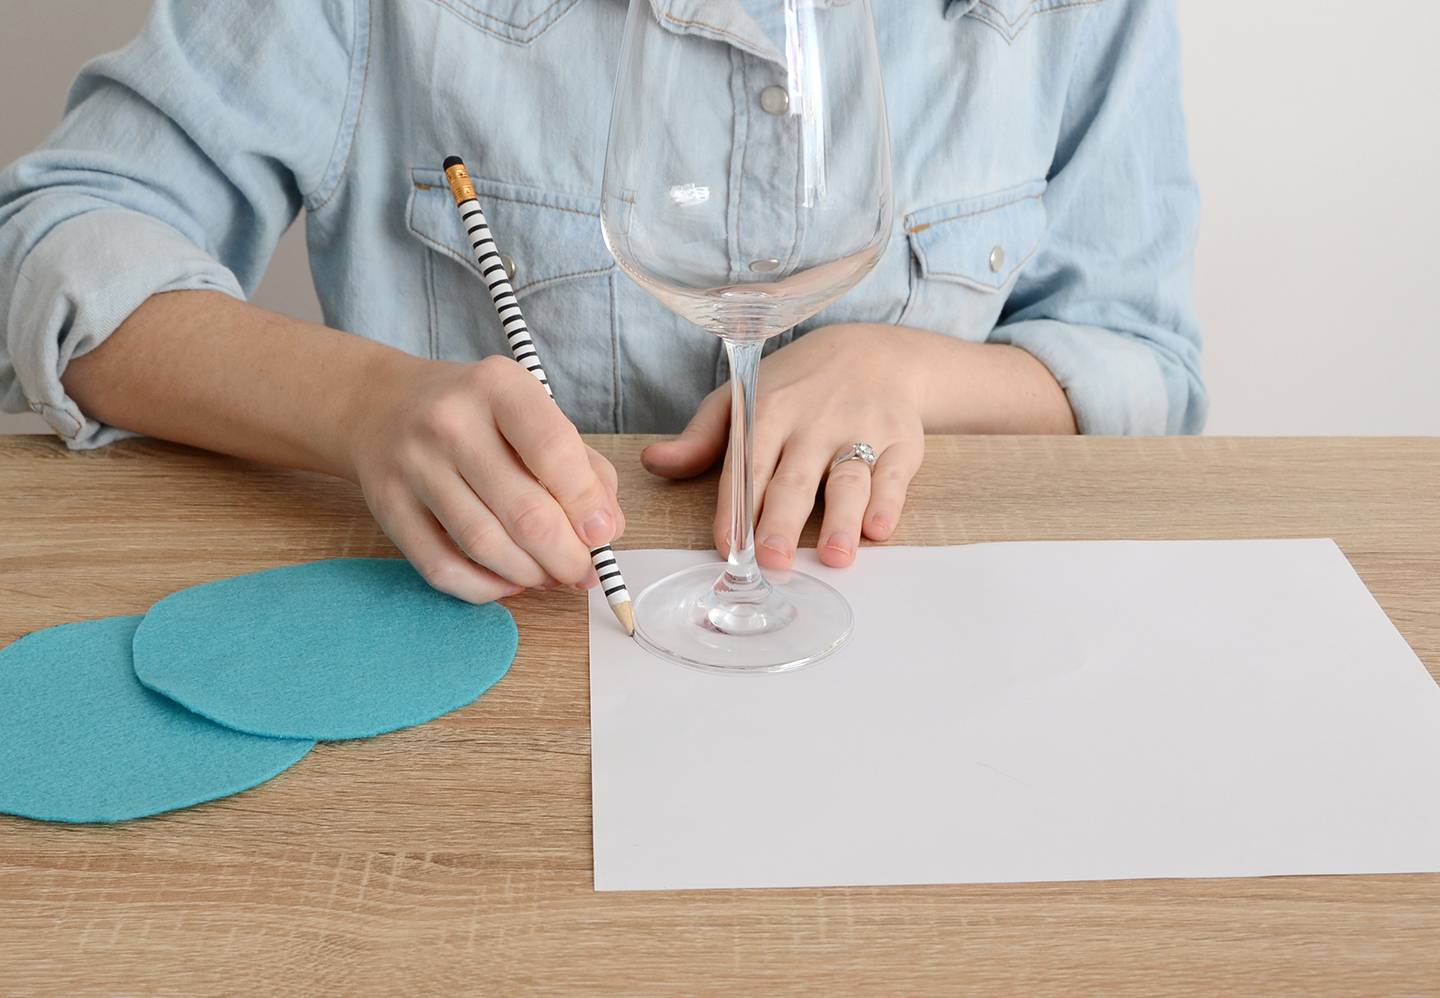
(457, 855)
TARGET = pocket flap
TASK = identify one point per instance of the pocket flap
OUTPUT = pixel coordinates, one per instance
(980, 242)
(550, 237)
(519, 21)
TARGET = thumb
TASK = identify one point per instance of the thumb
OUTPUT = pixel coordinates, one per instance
(700, 445)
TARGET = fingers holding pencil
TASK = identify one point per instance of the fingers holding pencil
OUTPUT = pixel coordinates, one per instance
(434, 442)
(551, 448)
(592, 520)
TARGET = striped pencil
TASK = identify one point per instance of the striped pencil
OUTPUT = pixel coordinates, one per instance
(522, 348)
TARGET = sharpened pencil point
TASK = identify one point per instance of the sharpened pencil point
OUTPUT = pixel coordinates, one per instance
(625, 613)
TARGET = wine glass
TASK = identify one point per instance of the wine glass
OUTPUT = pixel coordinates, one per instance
(747, 186)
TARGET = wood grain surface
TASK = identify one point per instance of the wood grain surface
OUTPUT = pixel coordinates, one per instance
(456, 856)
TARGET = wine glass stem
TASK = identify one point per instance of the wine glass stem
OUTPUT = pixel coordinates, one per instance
(742, 581)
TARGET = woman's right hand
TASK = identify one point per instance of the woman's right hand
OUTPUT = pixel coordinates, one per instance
(478, 477)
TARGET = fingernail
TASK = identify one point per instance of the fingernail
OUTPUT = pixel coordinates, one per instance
(591, 581)
(512, 591)
(879, 524)
(841, 543)
(778, 545)
(599, 528)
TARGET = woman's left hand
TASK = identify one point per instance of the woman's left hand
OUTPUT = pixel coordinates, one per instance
(830, 388)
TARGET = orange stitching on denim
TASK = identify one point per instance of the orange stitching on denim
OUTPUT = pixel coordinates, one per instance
(540, 204)
(469, 263)
(971, 214)
(978, 284)
(481, 182)
(706, 24)
(546, 282)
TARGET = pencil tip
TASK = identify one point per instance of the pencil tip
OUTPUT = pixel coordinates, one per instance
(452, 161)
(625, 613)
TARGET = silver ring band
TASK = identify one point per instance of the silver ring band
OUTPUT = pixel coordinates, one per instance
(855, 452)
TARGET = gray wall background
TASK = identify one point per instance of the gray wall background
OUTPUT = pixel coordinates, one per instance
(1314, 133)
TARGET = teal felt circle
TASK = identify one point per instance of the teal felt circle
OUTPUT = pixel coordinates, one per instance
(82, 741)
(331, 650)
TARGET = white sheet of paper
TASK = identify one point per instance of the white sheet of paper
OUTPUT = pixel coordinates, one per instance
(1036, 711)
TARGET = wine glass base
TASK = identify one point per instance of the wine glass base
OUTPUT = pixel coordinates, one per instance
(805, 621)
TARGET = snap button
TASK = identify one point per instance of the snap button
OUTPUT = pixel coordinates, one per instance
(997, 259)
(774, 100)
(509, 266)
(765, 266)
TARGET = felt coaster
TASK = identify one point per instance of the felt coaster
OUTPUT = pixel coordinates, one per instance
(348, 648)
(82, 741)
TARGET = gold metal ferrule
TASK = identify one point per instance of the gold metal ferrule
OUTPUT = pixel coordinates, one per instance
(460, 186)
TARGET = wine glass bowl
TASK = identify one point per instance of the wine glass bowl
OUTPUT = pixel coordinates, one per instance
(747, 186)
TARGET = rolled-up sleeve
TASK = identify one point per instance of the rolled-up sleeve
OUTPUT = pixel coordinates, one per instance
(180, 162)
(1107, 302)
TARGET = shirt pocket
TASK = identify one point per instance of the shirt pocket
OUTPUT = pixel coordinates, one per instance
(564, 280)
(966, 256)
(1010, 17)
(517, 21)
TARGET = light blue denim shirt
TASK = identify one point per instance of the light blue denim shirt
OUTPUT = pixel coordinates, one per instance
(1042, 185)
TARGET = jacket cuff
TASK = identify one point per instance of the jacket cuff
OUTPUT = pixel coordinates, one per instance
(1114, 382)
(75, 288)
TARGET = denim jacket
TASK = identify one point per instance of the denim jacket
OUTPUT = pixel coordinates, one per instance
(1043, 191)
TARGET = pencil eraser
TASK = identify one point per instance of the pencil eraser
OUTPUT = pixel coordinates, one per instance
(453, 161)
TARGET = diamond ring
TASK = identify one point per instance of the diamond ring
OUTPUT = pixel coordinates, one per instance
(855, 452)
